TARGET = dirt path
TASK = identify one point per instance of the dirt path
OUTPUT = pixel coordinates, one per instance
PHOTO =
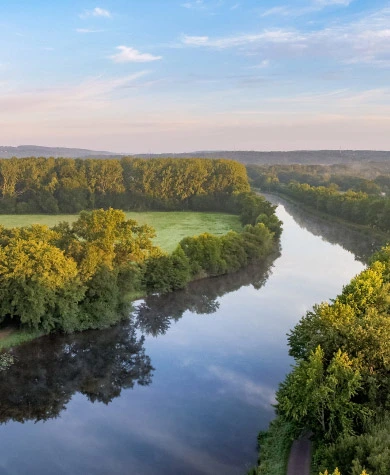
(300, 457)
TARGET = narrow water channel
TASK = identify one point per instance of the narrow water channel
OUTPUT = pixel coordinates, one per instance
(185, 386)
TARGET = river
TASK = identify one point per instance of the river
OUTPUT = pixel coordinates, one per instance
(186, 384)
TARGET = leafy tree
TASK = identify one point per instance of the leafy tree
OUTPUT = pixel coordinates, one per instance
(39, 284)
(316, 394)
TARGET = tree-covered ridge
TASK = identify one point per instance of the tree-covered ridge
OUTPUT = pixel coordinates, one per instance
(370, 178)
(339, 387)
(65, 185)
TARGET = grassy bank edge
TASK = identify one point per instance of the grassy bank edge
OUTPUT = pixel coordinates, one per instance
(274, 448)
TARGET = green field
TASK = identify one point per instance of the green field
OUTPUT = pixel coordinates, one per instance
(171, 227)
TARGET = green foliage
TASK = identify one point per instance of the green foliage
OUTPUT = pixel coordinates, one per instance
(37, 282)
(355, 206)
(39, 185)
(212, 255)
(102, 305)
(369, 451)
(274, 448)
(167, 272)
(204, 252)
(318, 396)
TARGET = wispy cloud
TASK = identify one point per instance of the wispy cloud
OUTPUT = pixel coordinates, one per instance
(364, 41)
(282, 10)
(266, 36)
(195, 4)
(253, 393)
(88, 30)
(315, 6)
(96, 12)
(326, 3)
(88, 93)
(127, 54)
(202, 5)
(235, 6)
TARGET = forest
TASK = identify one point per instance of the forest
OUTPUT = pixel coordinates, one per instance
(66, 185)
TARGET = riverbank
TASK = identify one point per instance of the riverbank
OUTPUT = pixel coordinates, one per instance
(334, 220)
(84, 273)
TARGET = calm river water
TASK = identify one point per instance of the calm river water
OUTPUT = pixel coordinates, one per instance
(185, 387)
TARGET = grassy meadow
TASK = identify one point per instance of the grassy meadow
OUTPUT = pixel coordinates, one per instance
(171, 227)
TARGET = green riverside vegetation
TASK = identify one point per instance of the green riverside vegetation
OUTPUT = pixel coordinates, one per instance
(335, 190)
(79, 275)
(339, 387)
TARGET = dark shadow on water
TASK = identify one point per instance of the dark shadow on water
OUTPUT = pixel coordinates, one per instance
(48, 371)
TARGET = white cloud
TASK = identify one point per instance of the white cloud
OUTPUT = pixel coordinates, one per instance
(235, 6)
(127, 54)
(364, 41)
(97, 12)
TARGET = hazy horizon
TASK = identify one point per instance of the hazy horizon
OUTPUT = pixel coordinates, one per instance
(187, 75)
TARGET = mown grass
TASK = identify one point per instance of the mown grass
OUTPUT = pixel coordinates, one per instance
(171, 227)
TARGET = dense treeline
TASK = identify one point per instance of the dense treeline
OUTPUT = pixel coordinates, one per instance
(331, 190)
(65, 185)
(356, 207)
(367, 179)
(339, 387)
(75, 277)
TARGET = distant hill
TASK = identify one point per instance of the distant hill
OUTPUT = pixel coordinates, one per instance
(320, 157)
(37, 151)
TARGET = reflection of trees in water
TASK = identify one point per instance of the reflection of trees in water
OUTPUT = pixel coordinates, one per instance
(154, 315)
(99, 364)
(362, 243)
(48, 371)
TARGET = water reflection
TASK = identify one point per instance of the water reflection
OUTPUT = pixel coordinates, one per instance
(361, 242)
(154, 315)
(99, 364)
(48, 371)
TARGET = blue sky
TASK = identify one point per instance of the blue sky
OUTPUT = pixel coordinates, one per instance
(159, 76)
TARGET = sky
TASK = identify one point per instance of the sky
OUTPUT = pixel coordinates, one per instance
(155, 76)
